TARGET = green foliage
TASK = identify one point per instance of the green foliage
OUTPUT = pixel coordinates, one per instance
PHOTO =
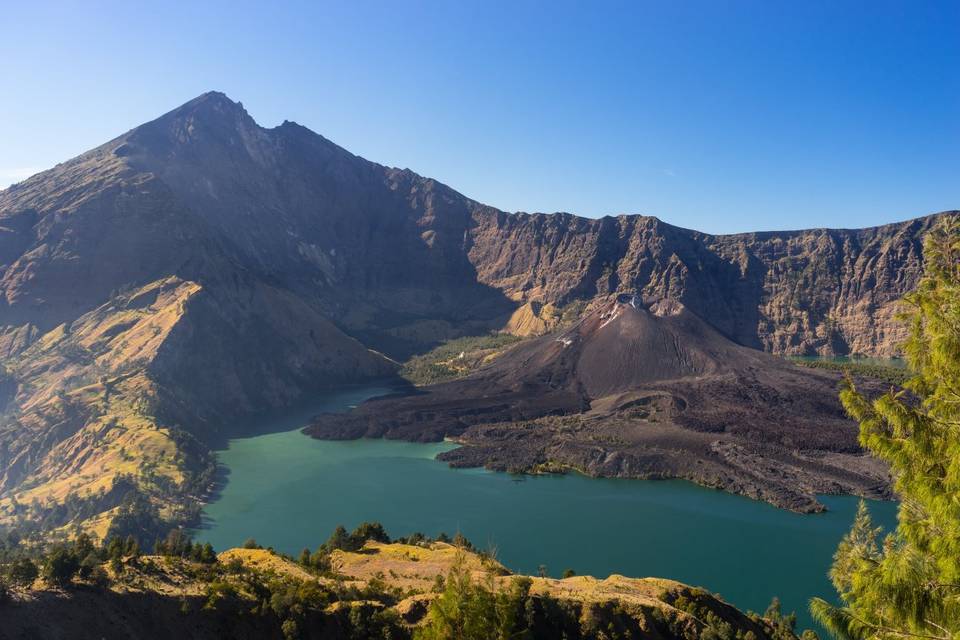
(88, 564)
(137, 517)
(343, 541)
(178, 543)
(370, 531)
(292, 597)
(907, 585)
(217, 591)
(23, 572)
(340, 540)
(290, 629)
(470, 610)
(61, 566)
(131, 546)
(445, 362)
(98, 577)
(367, 622)
(890, 374)
(783, 624)
(83, 546)
(773, 624)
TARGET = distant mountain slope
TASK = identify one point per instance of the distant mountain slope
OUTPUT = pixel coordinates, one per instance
(201, 267)
(828, 291)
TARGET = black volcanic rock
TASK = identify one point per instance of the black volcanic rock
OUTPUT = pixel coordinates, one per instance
(640, 389)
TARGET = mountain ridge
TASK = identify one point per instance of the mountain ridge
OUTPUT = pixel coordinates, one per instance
(185, 126)
(309, 266)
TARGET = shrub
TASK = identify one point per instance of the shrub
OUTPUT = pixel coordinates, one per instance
(23, 572)
(61, 566)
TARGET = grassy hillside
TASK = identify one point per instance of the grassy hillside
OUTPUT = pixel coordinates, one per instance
(84, 441)
(356, 585)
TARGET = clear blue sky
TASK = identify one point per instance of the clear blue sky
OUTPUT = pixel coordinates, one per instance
(721, 116)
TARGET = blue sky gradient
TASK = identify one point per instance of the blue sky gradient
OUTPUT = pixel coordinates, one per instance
(720, 116)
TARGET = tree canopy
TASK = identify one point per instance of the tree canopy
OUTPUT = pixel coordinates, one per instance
(907, 584)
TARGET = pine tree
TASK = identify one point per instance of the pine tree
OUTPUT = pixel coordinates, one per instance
(907, 585)
(455, 612)
(472, 609)
(339, 539)
(23, 572)
(131, 547)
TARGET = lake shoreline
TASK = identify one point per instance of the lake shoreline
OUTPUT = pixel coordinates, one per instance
(290, 491)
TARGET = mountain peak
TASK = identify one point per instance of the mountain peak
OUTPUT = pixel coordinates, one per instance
(210, 119)
(214, 104)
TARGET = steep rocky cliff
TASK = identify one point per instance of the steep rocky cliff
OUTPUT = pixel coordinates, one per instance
(826, 291)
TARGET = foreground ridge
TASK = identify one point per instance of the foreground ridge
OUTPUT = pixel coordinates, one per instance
(368, 589)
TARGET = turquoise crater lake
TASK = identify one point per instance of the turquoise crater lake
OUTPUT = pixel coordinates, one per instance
(289, 491)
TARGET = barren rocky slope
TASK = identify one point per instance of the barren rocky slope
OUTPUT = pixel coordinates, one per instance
(639, 389)
(201, 267)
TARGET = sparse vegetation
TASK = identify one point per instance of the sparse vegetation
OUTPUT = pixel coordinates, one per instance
(471, 596)
(456, 358)
(887, 373)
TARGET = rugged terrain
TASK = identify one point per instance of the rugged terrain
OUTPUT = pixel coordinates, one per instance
(200, 268)
(381, 590)
(639, 389)
(819, 291)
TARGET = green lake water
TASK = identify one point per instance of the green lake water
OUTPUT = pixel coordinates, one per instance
(289, 491)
